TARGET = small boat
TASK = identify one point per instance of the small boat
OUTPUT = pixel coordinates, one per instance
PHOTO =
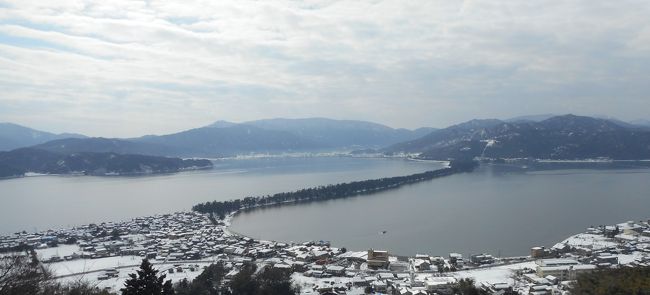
(383, 232)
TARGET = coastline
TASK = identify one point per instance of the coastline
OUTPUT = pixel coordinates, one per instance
(499, 270)
(107, 174)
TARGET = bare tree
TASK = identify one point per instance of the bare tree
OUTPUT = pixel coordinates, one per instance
(22, 273)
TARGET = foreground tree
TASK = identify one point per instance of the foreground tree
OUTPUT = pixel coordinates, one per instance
(22, 273)
(207, 283)
(76, 288)
(273, 281)
(614, 282)
(467, 287)
(147, 282)
(243, 283)
(268, 281)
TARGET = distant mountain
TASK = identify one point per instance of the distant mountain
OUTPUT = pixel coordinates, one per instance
(264, 136)
(222, 124)
(105, 145)
(618, 121)
(560, 137)
(20, 161)
(13, 136)
(641, 122)
(531, 118)
(341, 133)
(231, 140)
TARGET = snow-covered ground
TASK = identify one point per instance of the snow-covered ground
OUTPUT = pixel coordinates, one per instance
(495, 275)
(60, 251)
(65, 268)
(628, 242)
(590, 241)
(115, 284)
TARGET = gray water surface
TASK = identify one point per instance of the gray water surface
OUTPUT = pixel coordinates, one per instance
(44, 202)
(495, 209)
(492, 210)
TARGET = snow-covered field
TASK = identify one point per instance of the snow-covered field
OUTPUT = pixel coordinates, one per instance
(65, 268)
(115, 284)
(590, 241)
(494, 275)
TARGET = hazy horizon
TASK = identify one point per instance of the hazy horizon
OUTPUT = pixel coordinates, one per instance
(349, 119)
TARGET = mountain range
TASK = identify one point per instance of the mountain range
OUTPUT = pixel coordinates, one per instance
(538, 136)
(226, 139)
(341, 133)
(13, 136)
(559, 137)
(42, 152)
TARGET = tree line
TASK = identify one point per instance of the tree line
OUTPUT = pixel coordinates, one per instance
(330, 192)
(626, 280)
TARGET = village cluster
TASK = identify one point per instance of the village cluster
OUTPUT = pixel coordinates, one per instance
(182, 244)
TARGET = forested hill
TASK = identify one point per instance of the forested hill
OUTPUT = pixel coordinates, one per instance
(13, 136)
(565, 137)
(20, 161)
(329, 192)
(223, 139)
(340, 133)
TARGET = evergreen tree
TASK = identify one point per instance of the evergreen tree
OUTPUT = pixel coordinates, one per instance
(147, 282)
(243, 282)
(207, 283)
(467, 287)
(621, 281)
(273, 281)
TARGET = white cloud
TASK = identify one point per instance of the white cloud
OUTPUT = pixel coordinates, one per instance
(103, 67)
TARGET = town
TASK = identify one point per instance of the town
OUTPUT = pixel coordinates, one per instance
(182, 244)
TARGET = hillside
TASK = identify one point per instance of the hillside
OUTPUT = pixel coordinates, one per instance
(13, 136)
(227, 139)
(231, 140)
(337, 133)
(20, 161)
(105, 145)
(559, 137)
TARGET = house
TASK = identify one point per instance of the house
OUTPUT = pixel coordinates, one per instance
(399, 266)
(607, 258)
(537, 252)
(421, 264)
(482, 259)
(359, 282)
(335, 270)
(385, 276)
(377, 259)
(440, 284)
(455, 257)
(564, 272)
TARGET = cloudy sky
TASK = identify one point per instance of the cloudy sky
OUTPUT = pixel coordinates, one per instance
(127, 68)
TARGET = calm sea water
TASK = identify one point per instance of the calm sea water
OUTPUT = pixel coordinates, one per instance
(39, 203)
(496, 209)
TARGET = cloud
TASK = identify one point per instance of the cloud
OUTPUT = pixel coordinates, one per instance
(125, 68)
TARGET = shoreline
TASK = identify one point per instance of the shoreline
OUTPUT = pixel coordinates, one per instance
(207, 241)
(108, 174)
(498, 270)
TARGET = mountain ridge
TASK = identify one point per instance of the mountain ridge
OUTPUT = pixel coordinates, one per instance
(13, 136)
(560, 137)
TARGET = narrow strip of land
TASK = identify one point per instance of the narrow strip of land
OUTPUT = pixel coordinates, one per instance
(330, 192)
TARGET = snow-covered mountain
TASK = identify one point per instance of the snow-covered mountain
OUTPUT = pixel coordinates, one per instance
(559, 137)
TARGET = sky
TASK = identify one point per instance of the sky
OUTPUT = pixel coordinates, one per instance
(127, 68)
